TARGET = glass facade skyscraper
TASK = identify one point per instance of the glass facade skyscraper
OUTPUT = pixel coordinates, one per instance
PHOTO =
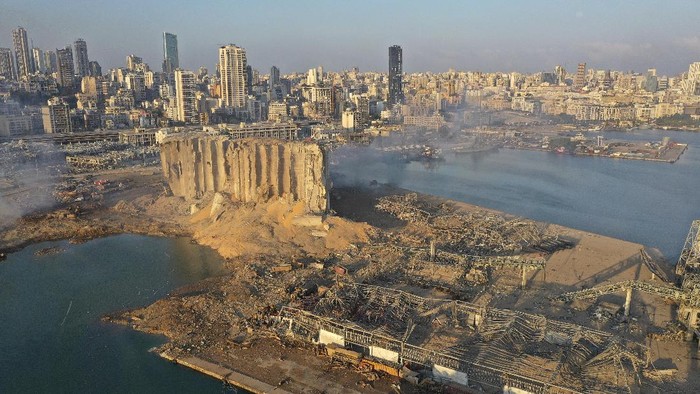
(171, 60)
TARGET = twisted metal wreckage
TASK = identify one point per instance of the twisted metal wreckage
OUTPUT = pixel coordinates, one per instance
(466, 343)
(478, 346)
(685, 292)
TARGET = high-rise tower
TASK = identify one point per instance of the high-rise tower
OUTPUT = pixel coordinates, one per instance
(171, 59)
(82, 63)
(66, 71)
(395, 75)
(274, 76)
(132, 61)
(6, 69)
(185, 88)
(95, 69)
(39, 60)
(25, 63)
(51, 61)
(580, 77)
(232, 65)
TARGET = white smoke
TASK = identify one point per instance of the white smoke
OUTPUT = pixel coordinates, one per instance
(27, 177)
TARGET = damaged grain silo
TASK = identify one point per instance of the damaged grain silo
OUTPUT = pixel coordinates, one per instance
(250, 170)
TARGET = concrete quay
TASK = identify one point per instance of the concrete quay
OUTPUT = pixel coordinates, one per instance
(224, 374)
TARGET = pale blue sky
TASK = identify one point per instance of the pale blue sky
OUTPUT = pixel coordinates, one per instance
(524, 36)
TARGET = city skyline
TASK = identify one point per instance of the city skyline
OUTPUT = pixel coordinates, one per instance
(527, 37)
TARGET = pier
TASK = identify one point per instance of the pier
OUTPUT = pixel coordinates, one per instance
(224, 374)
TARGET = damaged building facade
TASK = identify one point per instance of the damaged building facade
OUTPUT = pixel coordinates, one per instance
(250, 170)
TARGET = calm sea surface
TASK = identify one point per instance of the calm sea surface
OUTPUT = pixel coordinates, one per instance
(51, 337)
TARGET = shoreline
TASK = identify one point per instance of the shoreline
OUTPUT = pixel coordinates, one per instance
(621, 157)
(595, 251)
(223, 374)
(570, 128)
(116, 212)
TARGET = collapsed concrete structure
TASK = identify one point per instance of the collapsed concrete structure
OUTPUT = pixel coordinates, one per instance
(251, 170)
(464, 343)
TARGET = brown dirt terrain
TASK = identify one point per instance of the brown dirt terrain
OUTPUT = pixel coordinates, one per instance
(112, 211)
(141, 206)
(272, 229)
(224, 319)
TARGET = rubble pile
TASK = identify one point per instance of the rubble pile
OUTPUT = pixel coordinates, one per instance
(674, 331)
(535, 352)
(18, 156)
(406, 207)
(474, 233)
(455, 251)
(42, 158)
(73, 189)
(412, 289)
(200, 321)
(33, 174)
(94, 156)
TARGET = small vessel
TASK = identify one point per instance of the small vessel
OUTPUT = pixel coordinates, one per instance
(474, 149)
(409, 153)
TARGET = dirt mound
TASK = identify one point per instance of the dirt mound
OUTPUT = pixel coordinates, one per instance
(125, 207)
(277, 229)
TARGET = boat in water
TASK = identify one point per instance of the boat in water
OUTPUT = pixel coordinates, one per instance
(409, 153)
(473, 149)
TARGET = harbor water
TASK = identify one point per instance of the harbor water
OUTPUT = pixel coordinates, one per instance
(51, 336)
(645, 202)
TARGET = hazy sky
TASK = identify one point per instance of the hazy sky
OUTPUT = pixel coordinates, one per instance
(295, 35)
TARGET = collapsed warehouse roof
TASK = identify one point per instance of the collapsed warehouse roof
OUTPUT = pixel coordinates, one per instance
(488, 346)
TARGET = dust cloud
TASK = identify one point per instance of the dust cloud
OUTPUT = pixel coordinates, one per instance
(28, 174)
